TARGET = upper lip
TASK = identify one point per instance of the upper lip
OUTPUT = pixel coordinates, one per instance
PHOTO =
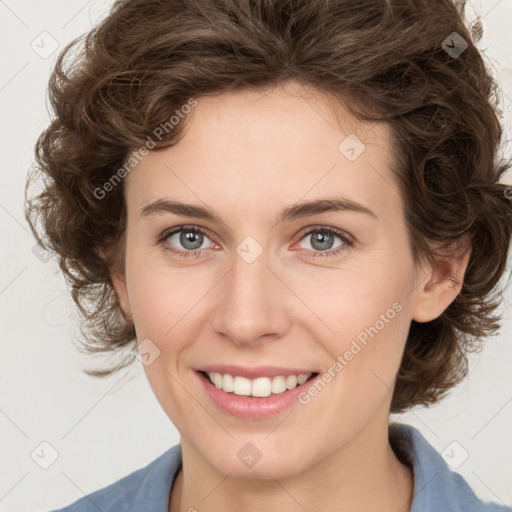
(253, 372)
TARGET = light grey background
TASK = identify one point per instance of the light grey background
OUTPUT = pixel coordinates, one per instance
(104, 429)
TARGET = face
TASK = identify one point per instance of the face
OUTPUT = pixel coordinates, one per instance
(252, 292)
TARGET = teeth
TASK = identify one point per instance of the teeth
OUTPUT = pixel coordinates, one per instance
(241, 385)
(228, 383)
(302, 378)
(291, 381)
(260, 387)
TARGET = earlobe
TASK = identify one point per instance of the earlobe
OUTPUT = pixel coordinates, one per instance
(110, 254)
(121, 290)
(440, 284)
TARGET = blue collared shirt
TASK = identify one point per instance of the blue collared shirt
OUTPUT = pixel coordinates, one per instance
(436, 487)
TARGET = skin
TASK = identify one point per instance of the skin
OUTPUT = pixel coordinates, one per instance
(247, 155)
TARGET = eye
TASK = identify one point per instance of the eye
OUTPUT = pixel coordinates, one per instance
(192, 238)
(189, 237)
(322, 241)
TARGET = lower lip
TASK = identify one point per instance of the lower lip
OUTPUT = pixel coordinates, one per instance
(253, 407)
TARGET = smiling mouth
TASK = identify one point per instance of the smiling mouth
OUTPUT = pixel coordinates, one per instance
(261, 387)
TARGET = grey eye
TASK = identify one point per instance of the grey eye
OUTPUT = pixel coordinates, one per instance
(188, 239)
(321, 240)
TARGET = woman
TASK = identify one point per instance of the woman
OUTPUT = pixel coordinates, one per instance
(292, 210)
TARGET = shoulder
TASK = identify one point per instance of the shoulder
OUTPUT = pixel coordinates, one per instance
(145, 489)
(436, 486)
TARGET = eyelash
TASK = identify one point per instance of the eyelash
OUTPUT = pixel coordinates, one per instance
(347, 240)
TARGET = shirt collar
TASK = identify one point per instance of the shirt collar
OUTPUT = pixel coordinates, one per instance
(436, 486)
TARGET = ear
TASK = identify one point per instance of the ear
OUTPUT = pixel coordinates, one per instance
(118, 278)
(439, 282)
(121, 289)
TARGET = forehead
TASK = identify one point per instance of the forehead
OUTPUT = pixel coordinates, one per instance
(266, 147)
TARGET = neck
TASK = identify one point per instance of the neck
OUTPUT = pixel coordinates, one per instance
(364, 475)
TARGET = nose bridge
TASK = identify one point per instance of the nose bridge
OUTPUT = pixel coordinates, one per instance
(249, 306)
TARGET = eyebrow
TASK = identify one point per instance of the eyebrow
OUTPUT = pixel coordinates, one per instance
(295, 211)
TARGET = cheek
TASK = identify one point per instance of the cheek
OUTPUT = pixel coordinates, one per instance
(360, 316)
(156, 294)
(168, 303)
(163, 311)
(345, 301)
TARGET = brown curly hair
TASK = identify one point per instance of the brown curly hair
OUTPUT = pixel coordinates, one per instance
(111, 87)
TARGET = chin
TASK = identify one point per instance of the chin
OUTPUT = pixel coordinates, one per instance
(245, 460)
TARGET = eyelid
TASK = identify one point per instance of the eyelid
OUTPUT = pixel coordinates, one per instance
(166, 233)
(348, 241)
(319, 227)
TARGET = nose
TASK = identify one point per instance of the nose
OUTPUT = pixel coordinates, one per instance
(252, 305)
